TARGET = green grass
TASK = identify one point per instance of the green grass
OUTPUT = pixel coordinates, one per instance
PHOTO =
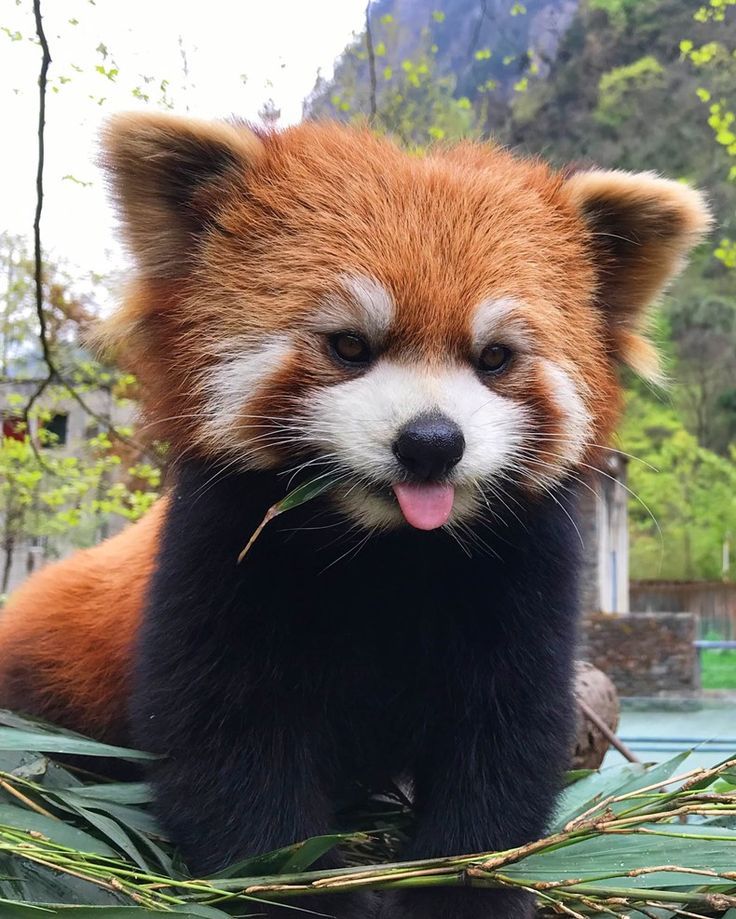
(718, 669)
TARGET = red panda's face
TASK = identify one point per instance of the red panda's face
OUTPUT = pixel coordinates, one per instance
(424, 329)
(423, 417)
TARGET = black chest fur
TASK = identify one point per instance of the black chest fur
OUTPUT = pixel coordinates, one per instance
(372, 652)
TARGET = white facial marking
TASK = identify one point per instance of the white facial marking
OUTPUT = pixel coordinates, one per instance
(360, 419)
(243, 367)
(501, 320)
(372, 298)
(577, 420)
(363, 305)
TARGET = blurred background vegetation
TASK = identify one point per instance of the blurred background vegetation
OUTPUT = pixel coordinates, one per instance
(630, 84)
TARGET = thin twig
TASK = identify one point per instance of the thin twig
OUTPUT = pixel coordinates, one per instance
(598, 722)
(479, 25)
(372, 96)
(38, 263)
(53, 374)
(37, 253)
(6, 786)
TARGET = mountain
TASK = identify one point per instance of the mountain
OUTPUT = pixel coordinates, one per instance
(479, 45)
(599, 81)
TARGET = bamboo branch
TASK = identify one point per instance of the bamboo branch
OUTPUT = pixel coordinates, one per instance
(608, 888)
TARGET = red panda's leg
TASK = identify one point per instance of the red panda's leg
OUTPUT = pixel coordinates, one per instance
(223, 805)
(243, 793)
(493, 759)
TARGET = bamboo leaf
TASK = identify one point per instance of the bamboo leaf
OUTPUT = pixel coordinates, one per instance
(11, 910)
(23, 881)
(159, 861)
(306, 854)
(306, 492)
(290, 859)
(646, 835)
(114, 833)
(300, 495)
(587, 792)
(115, 792)
(12, 739)
(657, 773)
(613, 858)
(19, 818)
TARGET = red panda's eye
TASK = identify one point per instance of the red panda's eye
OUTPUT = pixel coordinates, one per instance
(494, 359)
(350, 348)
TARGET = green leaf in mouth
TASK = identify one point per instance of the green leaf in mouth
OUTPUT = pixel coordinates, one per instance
(308, 491)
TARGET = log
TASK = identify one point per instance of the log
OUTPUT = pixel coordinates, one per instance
(597, 719)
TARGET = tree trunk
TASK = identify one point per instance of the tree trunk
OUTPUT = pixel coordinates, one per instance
(7, 567)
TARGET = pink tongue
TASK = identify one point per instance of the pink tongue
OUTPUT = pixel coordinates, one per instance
(425, 506)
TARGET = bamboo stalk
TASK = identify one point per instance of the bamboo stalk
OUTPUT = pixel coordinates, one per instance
(647, 814)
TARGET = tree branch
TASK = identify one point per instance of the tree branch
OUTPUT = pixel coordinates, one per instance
(42, 82)
(37, 253)
(53, 373)
(596, 720)
(484, 14)
(372, 97)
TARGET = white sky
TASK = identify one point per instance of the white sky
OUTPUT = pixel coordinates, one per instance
(240, 53)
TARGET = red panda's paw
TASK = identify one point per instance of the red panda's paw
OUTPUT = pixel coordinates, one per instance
(458, 904)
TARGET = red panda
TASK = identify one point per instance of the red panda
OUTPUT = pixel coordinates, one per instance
(441, 334)
(67, 633)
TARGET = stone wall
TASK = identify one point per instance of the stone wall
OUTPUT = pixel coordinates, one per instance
(645, 654)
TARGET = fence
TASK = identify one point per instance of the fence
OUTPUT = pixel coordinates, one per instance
(712, 602)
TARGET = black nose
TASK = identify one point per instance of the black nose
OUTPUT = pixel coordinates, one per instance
(429, 446)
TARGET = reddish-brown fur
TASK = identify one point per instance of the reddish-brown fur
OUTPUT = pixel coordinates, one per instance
(73, 624)
(441, 231)
(476, 222)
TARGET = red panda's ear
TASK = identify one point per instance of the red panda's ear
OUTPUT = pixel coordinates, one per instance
(641, 229)
(162, 170)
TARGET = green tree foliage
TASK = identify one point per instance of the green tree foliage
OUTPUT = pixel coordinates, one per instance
(63, 498)
(702, 322)
(54, 494)
(414, 100)
(619, 93)
(477, 55)
(690, 492)
(715, 62)
(620, 89)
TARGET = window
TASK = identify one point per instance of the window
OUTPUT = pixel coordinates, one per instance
(57, 425)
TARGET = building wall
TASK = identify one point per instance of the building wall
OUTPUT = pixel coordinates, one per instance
(645, 654)
(604, 530)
